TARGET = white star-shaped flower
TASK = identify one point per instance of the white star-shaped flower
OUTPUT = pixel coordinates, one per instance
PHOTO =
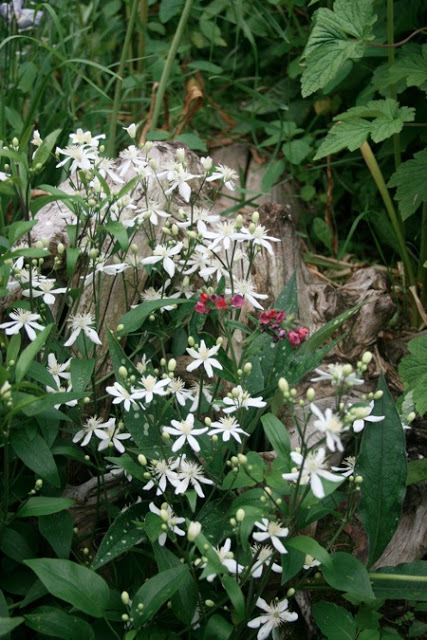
(227, 426)
(81, 322)
(329, 424)
(22, 319)
(203, 356)
(276, 613)
(313, 469)
(185, 431)
(273, 531)
(163, 253)
(362, 414)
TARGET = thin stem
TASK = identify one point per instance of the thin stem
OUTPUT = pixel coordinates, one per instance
(118, 89)
(169, 61)
(390, 54)
(373, 167)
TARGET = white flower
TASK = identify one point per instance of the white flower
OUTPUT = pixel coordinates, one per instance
(203, 356)
(69, 403)
(362, 414)
(152, 294)
(263, 555)
(246, 289)
(152, 212)
(273, 531)
(44, 287)
(169, 518)
(313, 469)
(177, 388)
(337, 375)
(149, 387)
(190, 473)
(225, 174)
(131, 130)
(257, 234)
(111, 437)
(225, 233)
(108, 269)
(162, 253)
(310, 562)
(57, 370)
(22, 319)
(242, 399)
(123, 395)
(85, 138)
(185, 431)
(91, 425)
(275, 615)
(36, 141)
(25, 18)
(348, 467)
(179, 177)
(227, 427)
(82, 158)
(81, 322)
(226, 558)
(132, 157)
(330, 425)
(162, 471)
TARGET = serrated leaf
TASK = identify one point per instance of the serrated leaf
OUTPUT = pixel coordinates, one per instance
(155, 592)
(123, 535)
(412, 68)
(295, 151)
(382, 464)
(337, 36)
(379, 119)
(75, 584)
(411, 183)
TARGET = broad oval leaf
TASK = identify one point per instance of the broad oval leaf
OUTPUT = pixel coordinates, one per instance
(51, 621)
(123, 535)
(71, 582)
(36, 455)
(334, 621)
(404, 580)
(43, 506)
(349, 575)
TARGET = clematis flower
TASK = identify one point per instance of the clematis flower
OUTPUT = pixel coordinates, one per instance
(81, 322)
(190, 473)
(227, 427)
(312, 469)
(185, 431)
(169, 518)
(329, 424)
(90, 427)
(111, 437)
(226, 558)
(246, 289)
(149, 387)
(275, 614)
(227, 175)
(273, 531)
(362, 414)
(203, 356)
(242, 399)
(22, 319)
(162, 471)
(121, 394)
(263, 555)
(25, 18)
(57, 370)
(163, 253)
(44, 287)
(338, 374)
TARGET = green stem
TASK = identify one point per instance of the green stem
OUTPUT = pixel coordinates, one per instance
(390, 54)
(118, 89)
(373, 167)
(169, 61)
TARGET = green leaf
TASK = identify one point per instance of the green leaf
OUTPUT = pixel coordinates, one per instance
(155, 592)
(312, 547)
(324, 333)
(184, 600)
(51, 621)
(217, 628)
(57, 529)
(277, 435)
(349, 575)
(241, 479)
(135, 318)
(72, 255)
(297, 150)
(412, 68)
(36, 455)
(18, 229)
(43, 506)
(192, 141)
(407, 581)
(379, 119)
(334, 621)
(118, 231)
(236, 596)
(29, 353)
(75, 584)
(417, 471)
(274, 170)
(323, 232)
(8, 624)
(19, 542)
(382, 464)
(169, 8)
(409, 178)
(43, 151)
(337, 36)
(123, 535)
(204, 65)
(81, 371)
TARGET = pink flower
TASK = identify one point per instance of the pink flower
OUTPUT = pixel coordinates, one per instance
(237, 301)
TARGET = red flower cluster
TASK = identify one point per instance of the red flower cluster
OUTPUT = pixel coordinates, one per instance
(208, 303)
(274, 321)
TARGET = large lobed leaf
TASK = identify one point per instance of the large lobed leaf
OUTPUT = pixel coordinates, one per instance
(337, 36)
(379, 119)
(411, 183)
(382, 464)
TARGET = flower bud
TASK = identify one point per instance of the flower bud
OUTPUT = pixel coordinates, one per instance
(311, 394)
(123, 373)
(347, 370)
(209, 603)
(290, 592)
(194, 529)
(367, 357)
(240, 514)
(255, 217)
(125, 597)
(283, 385)
(247, 368)
(142, 460)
